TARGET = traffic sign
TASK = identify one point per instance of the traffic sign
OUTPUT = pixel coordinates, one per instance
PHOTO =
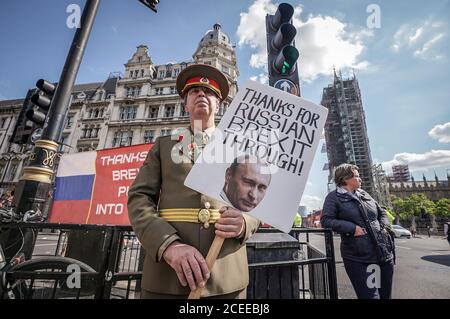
(287, 86)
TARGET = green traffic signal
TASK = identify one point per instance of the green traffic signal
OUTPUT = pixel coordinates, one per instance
(285, 68)
(286, 59)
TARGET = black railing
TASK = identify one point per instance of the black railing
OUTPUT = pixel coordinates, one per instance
(117, 261)
(311, 274)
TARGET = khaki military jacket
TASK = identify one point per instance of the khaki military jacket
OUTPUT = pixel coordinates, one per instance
(160, 185)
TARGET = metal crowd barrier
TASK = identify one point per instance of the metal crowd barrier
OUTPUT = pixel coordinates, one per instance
(307, 274)
(117, 257)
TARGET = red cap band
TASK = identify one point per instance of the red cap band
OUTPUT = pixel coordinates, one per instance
(203, 81)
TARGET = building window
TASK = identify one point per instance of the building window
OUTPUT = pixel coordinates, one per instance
(86, 132)
(225, 69)
(183, 111)
(153, 114)
(94, 132)
(12, 172)
(133, 91)
(169, 111)
(69, 121)
(173, 90)
(63, 146)
(149, 136)
(176, 72)
(159, 91)
(3, 122)
(122, 139)
(162, 73)
(166, 132)
(131, 113)
(142, 73)
(128, 113)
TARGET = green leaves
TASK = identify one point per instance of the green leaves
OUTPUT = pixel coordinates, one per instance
(413, 205)
(442, 207)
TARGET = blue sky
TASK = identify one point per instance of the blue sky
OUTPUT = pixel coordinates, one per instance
(402, 66)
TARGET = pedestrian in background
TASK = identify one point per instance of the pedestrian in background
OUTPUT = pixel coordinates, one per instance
(428, 231)
(447, 230)
(412, 229)
(7, 201)
(366, 238)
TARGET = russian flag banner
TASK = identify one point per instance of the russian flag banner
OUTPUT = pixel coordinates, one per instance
(92, 187)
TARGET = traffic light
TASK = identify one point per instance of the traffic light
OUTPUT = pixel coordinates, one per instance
(282, 54)
(42, 99)
(33, 115)
(23, 127)
(150, 4)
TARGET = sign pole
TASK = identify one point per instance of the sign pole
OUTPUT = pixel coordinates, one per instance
(213, 252)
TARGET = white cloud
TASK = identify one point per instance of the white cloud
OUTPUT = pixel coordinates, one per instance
(441, 133)
(311, 202)
(262, 78)
(422, 39)
(418, 162)
(324, 42)
(423, 52)
(412, 39)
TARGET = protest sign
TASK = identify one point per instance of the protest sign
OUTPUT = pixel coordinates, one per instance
(276, 134)
(92, 187)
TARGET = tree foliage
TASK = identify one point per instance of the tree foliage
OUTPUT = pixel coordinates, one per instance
(442, 207)
(413, 206)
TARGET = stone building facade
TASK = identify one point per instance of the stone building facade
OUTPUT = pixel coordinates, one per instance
(432, 189)
(128, 109)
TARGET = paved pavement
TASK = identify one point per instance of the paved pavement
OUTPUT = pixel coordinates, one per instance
(422, 269)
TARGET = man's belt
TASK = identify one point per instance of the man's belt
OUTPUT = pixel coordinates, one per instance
(191, 215)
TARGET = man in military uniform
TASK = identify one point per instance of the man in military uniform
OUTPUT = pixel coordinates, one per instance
(175, 224)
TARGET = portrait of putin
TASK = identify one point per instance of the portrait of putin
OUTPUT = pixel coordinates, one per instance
(246, 183)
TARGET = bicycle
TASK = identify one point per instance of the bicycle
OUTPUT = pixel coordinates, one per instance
(18, 275)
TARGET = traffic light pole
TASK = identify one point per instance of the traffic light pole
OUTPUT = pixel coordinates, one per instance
(35, 183)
